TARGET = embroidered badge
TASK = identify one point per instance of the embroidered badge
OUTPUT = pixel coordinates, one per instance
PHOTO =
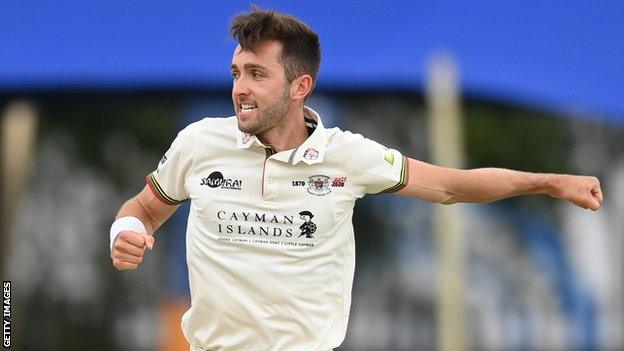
(311, 154)
(246, 137)
(319, 185)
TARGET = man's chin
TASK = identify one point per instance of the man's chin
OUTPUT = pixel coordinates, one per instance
(246, 128)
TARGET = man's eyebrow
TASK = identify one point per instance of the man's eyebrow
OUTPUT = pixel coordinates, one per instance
(249, 66)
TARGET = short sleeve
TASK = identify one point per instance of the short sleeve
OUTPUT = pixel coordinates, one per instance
(376, 169)
(168, 181)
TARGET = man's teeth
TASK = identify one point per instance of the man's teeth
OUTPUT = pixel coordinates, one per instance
(247, 107)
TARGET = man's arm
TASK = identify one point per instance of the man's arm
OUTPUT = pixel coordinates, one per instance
(129, 246)
(448, 185)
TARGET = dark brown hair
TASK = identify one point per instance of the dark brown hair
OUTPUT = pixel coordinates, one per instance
(301, 53)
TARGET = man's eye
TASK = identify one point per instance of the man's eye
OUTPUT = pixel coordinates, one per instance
(234, 75)
(256, 75)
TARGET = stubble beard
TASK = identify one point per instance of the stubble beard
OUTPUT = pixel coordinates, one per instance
(271, 115)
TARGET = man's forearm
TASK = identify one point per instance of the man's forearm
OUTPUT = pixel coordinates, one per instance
(448, 185)
(134, 208)
(147, 208)
(484, 185)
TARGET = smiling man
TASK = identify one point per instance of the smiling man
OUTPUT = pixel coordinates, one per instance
(270, 246)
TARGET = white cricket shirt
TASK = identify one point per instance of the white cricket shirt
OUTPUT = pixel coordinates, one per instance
(270, 247)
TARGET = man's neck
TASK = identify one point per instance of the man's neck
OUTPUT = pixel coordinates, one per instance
(289, 134)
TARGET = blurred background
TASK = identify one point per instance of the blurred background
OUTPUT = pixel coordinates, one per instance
(92, 94)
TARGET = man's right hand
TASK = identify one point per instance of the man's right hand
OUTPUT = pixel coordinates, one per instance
(128, 249)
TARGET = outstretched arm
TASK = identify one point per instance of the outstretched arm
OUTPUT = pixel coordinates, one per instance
(448, 185)
(129, 246)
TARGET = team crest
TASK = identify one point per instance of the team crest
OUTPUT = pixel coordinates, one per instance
(319, 185)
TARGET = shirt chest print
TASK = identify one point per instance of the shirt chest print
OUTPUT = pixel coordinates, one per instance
(217, 180)
(320, 184)
(275, 229)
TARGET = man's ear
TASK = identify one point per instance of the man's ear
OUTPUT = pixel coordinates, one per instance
(301, 87)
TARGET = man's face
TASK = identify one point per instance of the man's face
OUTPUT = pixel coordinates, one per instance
(260, 93)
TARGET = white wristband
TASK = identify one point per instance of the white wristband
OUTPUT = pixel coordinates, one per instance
(125, 223)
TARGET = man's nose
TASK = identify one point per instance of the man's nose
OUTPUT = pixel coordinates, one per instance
(240, 87)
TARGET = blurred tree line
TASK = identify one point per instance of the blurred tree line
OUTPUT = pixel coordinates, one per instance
(497, 135)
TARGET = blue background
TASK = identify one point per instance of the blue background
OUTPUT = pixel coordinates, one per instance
(561, 55)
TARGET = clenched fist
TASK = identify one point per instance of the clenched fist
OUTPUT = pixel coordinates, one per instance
(583, 191)
(128, 249)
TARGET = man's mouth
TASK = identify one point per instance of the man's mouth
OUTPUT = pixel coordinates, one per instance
(247, 107)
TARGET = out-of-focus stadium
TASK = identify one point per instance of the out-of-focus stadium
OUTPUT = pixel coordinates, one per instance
(93, 93)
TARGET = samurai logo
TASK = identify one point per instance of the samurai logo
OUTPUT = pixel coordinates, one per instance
(319, 185)
(308, 227)
(216, 180)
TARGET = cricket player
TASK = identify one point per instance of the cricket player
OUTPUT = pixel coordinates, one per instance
(270, 246)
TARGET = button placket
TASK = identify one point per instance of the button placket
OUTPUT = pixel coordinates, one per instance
(269, 179)
(268, 191)
(269, 186)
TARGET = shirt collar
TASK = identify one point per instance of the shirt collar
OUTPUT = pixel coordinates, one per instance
(313, 148)
(311, 151)
(245, 140)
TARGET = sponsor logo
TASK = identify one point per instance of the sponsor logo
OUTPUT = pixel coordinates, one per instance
(161, 162)
(270, 224)
(339, 182)
(311, 154)
(319, 185)
(389, 157)
(216, 180)
(308, 227)
(265, 228)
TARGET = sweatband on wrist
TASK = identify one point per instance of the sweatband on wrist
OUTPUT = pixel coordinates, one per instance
(125, 223)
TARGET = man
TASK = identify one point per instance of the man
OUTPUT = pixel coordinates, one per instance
(262, 275)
